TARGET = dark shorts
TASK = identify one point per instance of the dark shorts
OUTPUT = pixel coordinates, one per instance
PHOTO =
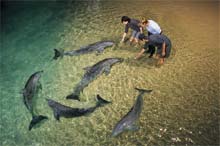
(135, 34)
(146, 46)
(167, 51)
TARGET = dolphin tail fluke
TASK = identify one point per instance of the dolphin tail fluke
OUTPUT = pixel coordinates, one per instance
(73, 96)
(57, 54)
(143, 90)
(101, 101)
(35, 120)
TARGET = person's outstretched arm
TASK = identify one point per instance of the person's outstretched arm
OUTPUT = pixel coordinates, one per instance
(140, 54)
(141, 29)
(125, 33)
(123, 37)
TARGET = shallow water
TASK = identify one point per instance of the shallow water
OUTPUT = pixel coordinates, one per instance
(183, 108)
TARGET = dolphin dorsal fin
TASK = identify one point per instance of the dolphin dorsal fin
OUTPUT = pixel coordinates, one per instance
(56, 115)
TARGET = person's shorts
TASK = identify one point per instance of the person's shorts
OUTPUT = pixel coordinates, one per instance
(167, 51)
(135, 34)
(146, 47)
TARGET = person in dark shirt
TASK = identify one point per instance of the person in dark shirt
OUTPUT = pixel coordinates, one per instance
(160, 41)
(134, 25)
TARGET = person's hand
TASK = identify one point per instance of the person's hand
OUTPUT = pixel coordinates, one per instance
(136, 58)
(122, 40)
(163, 54)
(156, 57)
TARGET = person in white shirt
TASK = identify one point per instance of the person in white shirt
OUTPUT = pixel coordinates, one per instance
(152, 28)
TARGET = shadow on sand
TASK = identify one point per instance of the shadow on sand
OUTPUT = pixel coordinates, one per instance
(144, 62)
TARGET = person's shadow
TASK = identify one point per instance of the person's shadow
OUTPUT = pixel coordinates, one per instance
(144, 62)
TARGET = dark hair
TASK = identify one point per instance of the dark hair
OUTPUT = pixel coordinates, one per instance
(142, 36)
(125, 18)
(144, 21)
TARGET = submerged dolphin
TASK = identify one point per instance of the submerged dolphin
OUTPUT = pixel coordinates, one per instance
(60, 110)
(92, 73)
(95, 47)
(29, 91)
(128, 121)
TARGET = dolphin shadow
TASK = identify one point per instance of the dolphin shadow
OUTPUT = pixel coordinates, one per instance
(133, 48)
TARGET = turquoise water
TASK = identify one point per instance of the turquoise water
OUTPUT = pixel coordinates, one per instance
(183, 108)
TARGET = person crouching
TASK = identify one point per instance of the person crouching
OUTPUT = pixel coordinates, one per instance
(160, 41)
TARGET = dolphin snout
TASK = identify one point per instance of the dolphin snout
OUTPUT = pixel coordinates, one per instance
(114, 134)
(121, 59)
(41, 71)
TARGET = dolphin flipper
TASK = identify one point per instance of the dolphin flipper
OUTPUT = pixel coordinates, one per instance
(56, 115)
(107, 70)
(22, 91)
(101, 101)
(35, 120)
(100, 51)
(73, 96)
(39, 86)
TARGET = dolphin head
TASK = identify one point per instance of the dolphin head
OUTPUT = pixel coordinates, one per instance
(50, 102)
(119, 128)
(120, 59)
(115, 133)
(109, 43)
(116, 60)
(37, 75)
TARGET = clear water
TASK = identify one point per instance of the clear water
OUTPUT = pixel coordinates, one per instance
(183, 108)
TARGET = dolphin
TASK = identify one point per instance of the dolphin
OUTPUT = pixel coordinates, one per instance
(103, 66)
(60, 110)
(128, 121)
(29, 91)
(95, 47)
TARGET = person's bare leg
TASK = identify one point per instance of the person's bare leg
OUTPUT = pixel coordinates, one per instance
(161, 61)
(156, 56)
(131, 40)
(139, 54)
(137, 42)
